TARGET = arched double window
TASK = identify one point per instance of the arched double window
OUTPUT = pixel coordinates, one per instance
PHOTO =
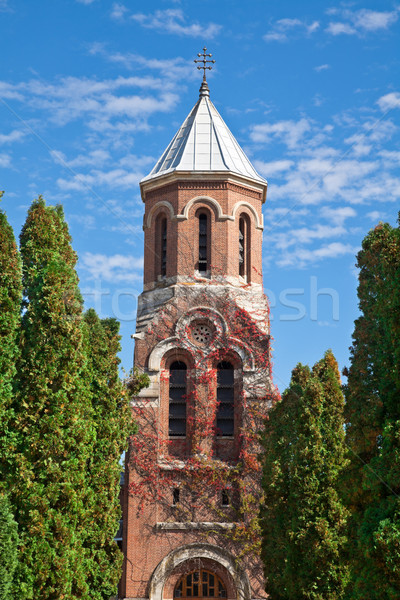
(244, 247)
(225, 400)
(177, 399)
(161, 246)
(203, 262)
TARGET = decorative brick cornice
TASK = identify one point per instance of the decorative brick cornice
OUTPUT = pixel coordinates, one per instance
(244, 191)
(166, 189)
(203, 185)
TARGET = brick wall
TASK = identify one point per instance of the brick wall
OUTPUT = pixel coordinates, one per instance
(155, 530)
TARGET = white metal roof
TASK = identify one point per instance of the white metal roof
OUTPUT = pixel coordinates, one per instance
(204, 143)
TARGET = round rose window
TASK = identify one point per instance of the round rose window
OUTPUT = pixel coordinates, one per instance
(201, 334)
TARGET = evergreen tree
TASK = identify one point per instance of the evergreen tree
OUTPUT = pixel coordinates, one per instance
(53, 415)
(10, 311)
(372, 481)
(113, 425)
(302, 518)
(8, 547)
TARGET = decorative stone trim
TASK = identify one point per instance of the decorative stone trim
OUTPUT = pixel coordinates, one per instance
(171, 343)
(207, 200)
(153, 389)
(191, 525)
(201, 313)
(258, 221)
(162, 203)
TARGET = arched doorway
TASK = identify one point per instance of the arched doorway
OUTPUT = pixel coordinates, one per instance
(200, 584)
(199, 557)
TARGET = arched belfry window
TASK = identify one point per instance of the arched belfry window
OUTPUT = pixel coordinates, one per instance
(177, 399)
(225, 399)
(161, 246)
(203, 243)
(244, 247)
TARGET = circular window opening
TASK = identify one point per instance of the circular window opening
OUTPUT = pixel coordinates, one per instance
(202, 334)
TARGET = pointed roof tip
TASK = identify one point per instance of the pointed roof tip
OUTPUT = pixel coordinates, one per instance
(204, 89)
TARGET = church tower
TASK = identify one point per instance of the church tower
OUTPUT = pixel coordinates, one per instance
(192, 481)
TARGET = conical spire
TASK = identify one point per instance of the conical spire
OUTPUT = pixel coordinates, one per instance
(204, 142)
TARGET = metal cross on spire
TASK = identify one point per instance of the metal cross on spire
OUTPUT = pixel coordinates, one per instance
(204, 61)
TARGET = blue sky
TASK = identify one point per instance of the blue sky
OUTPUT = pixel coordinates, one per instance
(92, 92)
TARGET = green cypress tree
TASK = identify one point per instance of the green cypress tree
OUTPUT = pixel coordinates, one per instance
(8, 547)
(10, 318)
(53, 415)
(113, 424)
(302, 518)
(372, 481)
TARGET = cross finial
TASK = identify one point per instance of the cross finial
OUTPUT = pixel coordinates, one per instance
(204, 61)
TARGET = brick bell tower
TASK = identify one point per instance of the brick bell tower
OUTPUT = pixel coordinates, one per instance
(191, 491)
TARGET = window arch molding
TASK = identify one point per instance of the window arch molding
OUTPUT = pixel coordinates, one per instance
(206, 201)
(177, 354)
(166, 350)
(162, 206)
(258, 221)
(166, 574)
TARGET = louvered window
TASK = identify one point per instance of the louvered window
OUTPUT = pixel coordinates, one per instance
(164, 247)
(225, 399)
(242, 264)
(177, 399)
(203, 250)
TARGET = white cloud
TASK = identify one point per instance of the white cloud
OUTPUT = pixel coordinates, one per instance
(339, 28)
(177, 68)
(323, 67)
(115, 268)
(289, 132)
(389, 101)
(376, 216)
(372, 20)
(119, 11)
(269, 169)
(282, 28)
(361, 21)
(14, 136)
(338, 215)
(391, 157)
(172, 20)
(302, 257)
(87, 2)
(115, 178)
(107, 101)
(359, 145)
(5, 160)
